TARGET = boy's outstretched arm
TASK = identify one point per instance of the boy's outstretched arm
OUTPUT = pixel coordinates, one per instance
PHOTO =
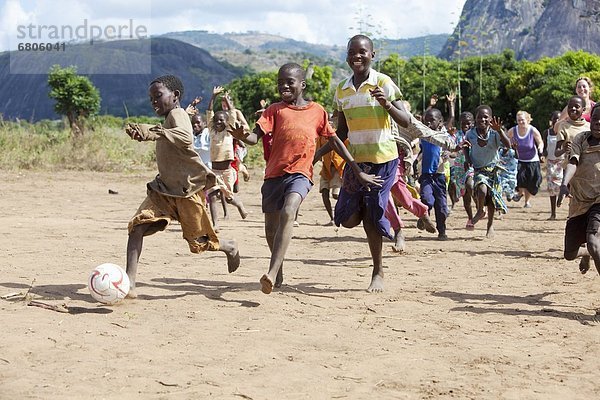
(365, 179)
(342, 134)
(240, 131)
(568, 175)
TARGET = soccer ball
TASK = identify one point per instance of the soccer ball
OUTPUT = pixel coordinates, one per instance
(108, 283)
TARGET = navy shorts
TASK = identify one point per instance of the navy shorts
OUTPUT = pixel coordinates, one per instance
(579, 227)
(274, 190)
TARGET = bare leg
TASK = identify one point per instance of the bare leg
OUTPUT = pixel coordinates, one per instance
(491, 210)
(399, 242)
(230, 248)
(271, 224)
(552, 208)
(375, 246)
(593, 248)
(134, 250)
(223, 204)
(527, 198)
(281, 239)
(327, 204)
(467, 198)
(481, 193)
(239, 205)
(212, 205)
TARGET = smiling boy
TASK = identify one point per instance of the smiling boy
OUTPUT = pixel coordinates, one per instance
(177, 191)
(295, 124)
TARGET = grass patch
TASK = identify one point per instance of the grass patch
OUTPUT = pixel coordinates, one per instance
(48, 145)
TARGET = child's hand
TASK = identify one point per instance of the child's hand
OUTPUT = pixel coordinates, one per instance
(379, 95)
(133, 132)
(191, 110)
(196, 101)
(451, 97)
(568, 146)
(465, 144)
(564, 191)
(237, 131)
(433, 100)
(263, 106)
(217, 90)
(369, 180)
(496, 124)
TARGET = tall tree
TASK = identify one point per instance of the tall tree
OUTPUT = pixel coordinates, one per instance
(75, 95)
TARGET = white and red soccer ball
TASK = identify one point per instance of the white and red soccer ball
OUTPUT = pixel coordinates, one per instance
(108, 283)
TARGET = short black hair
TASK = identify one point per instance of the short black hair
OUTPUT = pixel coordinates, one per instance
(597, 105)
(466, 114)
(484, 107)
(294, 67)
(171, 82)
(576, 96)
(434, 112)
(360, 37)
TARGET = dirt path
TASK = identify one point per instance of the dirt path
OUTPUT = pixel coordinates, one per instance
(469, 318)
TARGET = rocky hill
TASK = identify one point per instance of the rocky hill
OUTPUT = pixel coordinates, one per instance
(532, 28)
(27, 94)
(258, 51)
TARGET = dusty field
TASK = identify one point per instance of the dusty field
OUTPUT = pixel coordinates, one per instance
(469, 318)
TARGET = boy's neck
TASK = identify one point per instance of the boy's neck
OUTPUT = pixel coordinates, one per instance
(299, 102)
(357, 80)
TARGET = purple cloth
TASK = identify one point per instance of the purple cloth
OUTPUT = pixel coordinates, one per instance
(354, 197)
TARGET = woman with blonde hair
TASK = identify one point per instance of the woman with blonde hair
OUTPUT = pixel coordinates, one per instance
(530, 147)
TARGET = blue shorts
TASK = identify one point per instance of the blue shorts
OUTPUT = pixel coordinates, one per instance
(353, 197)
(274, 190)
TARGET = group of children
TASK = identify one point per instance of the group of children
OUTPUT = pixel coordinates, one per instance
(373, 135)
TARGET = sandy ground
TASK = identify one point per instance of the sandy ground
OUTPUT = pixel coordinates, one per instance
(470, 318)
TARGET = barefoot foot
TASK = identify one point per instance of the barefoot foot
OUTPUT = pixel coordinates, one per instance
(279, 278)
(490, 233)
(233, 257)
(399, 242)
(479, 215)
(376, 285)
(584, 264)
(266, 284)
(132, 294)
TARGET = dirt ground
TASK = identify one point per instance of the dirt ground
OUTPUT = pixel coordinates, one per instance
(470, 318)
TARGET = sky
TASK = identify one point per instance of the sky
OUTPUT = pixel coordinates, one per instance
(319, 21)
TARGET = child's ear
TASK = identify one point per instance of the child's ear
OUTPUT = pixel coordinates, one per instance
(177, 94)
(303, 84)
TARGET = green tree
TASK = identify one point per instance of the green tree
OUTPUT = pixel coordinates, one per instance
(249, 90)
(484, 81)
(419, 77)
(75, 95)
(546, 84)
(318, 84)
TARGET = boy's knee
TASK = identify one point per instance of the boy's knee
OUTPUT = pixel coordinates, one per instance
(593, 245)
(570, 255)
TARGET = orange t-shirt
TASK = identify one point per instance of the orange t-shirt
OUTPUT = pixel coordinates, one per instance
(295, 131)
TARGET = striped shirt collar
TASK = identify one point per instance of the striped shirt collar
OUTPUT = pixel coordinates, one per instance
(371, 80)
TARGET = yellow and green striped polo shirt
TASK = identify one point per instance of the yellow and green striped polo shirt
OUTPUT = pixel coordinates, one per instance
(369, 125)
